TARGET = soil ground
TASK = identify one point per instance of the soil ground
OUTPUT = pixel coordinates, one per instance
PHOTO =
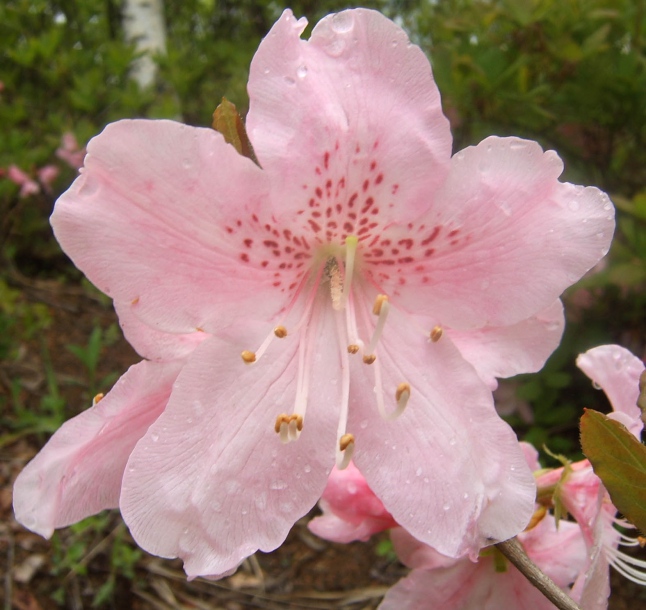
(72, 570)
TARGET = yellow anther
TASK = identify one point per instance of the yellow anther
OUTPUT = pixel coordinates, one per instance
(369, 359)
(97, 398)
(641, 540)
(379, 301)
(403, 391)
(283, 418)
(436, 334)
(248, 356)
(134, 301)
(199, 329)
(537, 517)
(280, 332)
(279, 420)
(353, 348)
(345, 441)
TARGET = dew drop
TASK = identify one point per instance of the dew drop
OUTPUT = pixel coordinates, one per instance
(425, 479)
(418, 472)
(596, 385)
(266, 71)
(278, 484)
(452, 441)
(307, 468)
(446, 507)
(342, 22)
(394, 43)
(364, 424)
(243, 512)
(601, 234)
(154, 437)
(573, 205)
(465, 496)
(186, 164)
(301, 72)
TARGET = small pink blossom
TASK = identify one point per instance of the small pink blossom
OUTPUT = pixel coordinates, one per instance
(615, 370)
(70, 152)
(351, 511)
(27, 185)
(374, 285)
(47, 175)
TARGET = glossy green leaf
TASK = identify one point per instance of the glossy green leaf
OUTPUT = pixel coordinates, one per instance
(229, 123)
(619, 460)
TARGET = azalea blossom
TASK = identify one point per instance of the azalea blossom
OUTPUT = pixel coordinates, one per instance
(352, 296)
(351, 511)
(580, 491)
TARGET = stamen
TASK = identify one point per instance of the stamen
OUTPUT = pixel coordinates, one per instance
(248, 356)
(353, 348)
(369, 359)
(351, 243)
(381, 309)
(97, 398)
(289, 427)
(346, 449)
(401, 396)
(537, 517)
(280, 332)
(436, 334)
(379, 301)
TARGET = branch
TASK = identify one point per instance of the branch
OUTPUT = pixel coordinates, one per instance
(513, 551)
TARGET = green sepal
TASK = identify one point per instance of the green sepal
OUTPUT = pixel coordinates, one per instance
(229, 123)
(619, 460)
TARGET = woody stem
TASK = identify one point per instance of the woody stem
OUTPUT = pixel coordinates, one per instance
(513, 551)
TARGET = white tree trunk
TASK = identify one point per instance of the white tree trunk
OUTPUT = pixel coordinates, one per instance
(144, 25)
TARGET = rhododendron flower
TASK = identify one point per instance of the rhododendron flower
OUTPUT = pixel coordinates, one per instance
(580, 491)
(437, 581)
(351, 511)
(70, 152)
(357, 286)
(27, 185)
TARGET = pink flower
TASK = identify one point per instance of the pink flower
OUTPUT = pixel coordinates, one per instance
(351, 511)
(580, 491)
(47, 175)
(358, 197)
(70, 152)
(27, 185)
(437, 581)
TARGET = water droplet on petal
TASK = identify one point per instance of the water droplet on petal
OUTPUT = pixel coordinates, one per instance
(364, 424)
(342, 22)
(418, 472)
(452, 441)
(278, 484)
(154, 437)
(573, 205)
(446, 507)
(596, 385)
(307, 468)
(301, 72)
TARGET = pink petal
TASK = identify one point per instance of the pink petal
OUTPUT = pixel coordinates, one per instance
(159, 218)
(518, 237)
(355, 105)
(152, 343)
(78, 473)
(211, 482)
(465, 586)
(617, 371)
(351, 511)
(510, 350)
(560, 552)
(461, 481)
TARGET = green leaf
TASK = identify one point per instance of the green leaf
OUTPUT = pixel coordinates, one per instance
(619, 460)
(228, 122)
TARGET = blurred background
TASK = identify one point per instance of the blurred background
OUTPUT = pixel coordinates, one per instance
(570, 74)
